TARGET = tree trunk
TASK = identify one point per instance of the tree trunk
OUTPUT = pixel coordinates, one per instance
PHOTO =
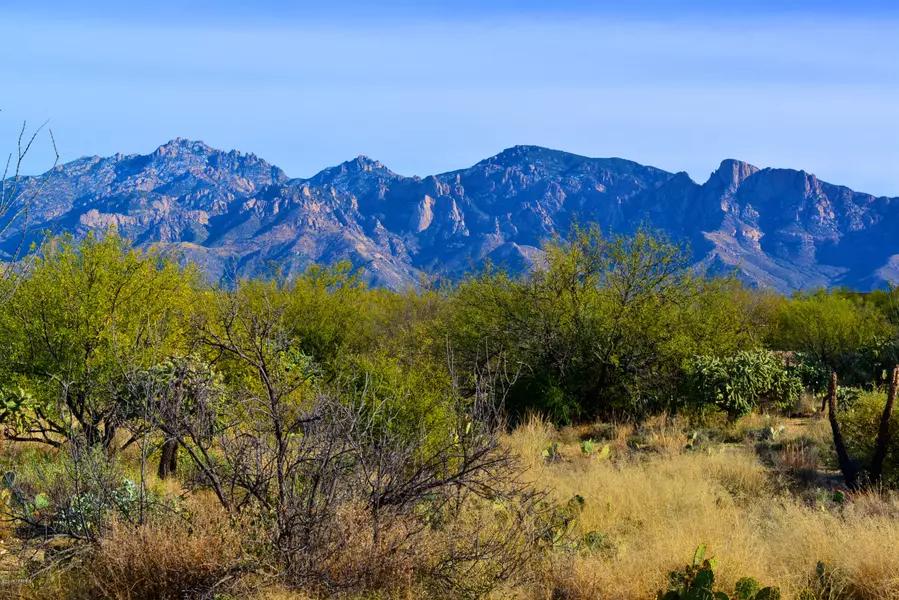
(850, 475)
(109, 434)
(883, 434)
(91, 435)
(168, 459)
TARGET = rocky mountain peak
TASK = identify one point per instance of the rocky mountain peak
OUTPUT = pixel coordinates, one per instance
(359, 168)
(180, 145)
(522, 150)
(732, 173)
(523, 155)
(364, 163)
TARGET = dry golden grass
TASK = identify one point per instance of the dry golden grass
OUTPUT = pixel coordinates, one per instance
(799, 459)
(666, 436)
(655, 511)
(751, 425)
(164, 558)
(278, 593)
(357, 562)
(651, 501)
(156, 560)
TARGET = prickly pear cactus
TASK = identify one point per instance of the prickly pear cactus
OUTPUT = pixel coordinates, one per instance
(697, 582)
(746, 589)
(768, 593)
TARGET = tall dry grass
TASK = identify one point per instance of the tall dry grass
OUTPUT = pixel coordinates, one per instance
(653, 510)
(164, 558)
(649, 500)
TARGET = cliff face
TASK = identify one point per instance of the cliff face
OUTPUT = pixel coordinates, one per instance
(234, 214)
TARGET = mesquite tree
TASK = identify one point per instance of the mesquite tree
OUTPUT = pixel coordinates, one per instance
(84, 313)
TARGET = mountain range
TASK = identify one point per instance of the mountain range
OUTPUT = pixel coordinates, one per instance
(234, 214)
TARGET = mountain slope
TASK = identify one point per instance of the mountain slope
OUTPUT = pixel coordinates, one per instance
(235, 214)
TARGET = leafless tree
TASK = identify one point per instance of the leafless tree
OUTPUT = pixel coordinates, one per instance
(303, 454)
(16, 202)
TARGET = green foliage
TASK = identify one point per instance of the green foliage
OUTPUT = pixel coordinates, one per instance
(697, 582)
(85, 513)
(404, 401)
(31, 507)
(813, 374)
(17, 406)
(746, 589)
(86, 314)
(602, 327)
(325, 313)
(821, 585)
(551, 453)
(588, 447)
(102, 337)
(41, 502)
(75, 495)
(737, 384)
(860, 423)
(837, 332)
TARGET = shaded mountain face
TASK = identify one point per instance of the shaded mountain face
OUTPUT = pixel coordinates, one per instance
(234, 214)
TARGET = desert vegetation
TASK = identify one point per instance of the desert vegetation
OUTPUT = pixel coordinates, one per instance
(610, 425)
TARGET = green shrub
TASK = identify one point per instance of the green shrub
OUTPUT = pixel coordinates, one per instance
(601, 327)
(860, 424)
(738, 383)
(403, 401)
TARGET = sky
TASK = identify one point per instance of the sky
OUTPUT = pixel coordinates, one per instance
(427, 86)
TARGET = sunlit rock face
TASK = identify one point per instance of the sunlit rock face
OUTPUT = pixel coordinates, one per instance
(235, 214)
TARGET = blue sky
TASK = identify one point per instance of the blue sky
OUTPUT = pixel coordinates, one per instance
(433, 86)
